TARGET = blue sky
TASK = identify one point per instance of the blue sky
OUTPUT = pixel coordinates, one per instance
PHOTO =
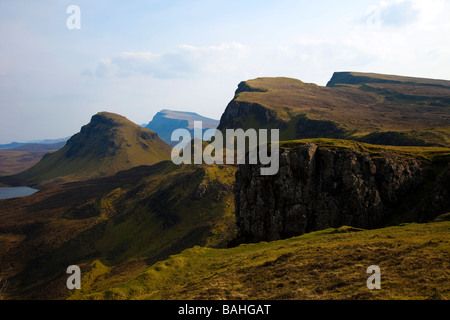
(138, 57)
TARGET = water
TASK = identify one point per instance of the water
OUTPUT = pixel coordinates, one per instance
(15, 192)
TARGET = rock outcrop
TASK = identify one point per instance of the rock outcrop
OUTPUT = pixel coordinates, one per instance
(321, 187)
(236, 111)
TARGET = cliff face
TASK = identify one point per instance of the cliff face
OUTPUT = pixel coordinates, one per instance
(319, 187)
(238, 113)
(362, 107)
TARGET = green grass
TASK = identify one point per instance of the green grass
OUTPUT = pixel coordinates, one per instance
(383, 113)
(124, 226)
(425, 137)
(424, 153)
(328, 264)
(166, 212)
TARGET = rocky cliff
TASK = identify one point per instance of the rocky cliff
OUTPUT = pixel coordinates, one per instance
(319, 187)
(371, 108)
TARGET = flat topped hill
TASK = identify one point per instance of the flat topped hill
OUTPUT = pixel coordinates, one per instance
(372, 108)
(190, 117)
(108, 144)
(166, 121)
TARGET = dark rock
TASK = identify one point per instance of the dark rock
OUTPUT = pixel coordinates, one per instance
(244, 87)
(238, 110)
(318, 188)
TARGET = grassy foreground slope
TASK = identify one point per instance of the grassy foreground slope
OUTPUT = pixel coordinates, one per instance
(331, 264)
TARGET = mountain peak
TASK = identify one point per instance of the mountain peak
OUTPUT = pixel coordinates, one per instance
(110, 119)
(107, 144)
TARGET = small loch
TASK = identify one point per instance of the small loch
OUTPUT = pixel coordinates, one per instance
(16, 192)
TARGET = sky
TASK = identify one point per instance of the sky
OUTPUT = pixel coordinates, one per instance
(136, 58)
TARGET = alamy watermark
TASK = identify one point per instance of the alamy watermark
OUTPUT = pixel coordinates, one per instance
(74, 281)
(236, 147)
(373, 17)
(374, 281)
(74, 20)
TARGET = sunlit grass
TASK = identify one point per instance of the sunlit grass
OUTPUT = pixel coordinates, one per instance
(327, 264)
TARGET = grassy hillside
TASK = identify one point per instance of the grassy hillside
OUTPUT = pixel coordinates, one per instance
(373, 108)
(441, 154)
(329, 264)
(126, 221)
(108, 144)
(143, 228)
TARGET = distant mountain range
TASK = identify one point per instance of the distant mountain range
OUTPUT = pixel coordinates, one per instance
(163, 123)
(36, 145)
(166, 121)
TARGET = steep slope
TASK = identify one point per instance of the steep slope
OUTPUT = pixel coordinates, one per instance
(127, 222)
(108, 144)
(166, 121)
(366, 107)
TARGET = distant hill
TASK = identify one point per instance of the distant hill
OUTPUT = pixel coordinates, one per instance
(108, 144)
(35, 145)
(166, 121)
(373, 108)
(15, 160)
(41, 146)
(11, 145)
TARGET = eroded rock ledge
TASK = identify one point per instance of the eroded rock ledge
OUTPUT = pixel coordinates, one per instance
(320, 187)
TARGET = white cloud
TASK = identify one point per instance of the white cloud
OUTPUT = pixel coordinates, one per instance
(398, 13)
(410, 40)
(184, 62)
